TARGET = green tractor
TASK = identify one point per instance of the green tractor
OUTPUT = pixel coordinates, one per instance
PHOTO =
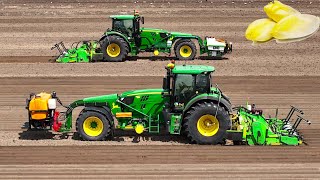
(126, 37)
(186, 104)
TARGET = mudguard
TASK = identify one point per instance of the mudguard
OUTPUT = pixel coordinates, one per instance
(225, 103)
(117, 34)
(100, 109)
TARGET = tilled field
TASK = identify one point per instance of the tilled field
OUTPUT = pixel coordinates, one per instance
(270, 75)
(21, 149)
(29, 28)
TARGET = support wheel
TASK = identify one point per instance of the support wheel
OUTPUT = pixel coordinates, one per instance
(206, 123)
(92, 126)
(115, 49)
(185, 49)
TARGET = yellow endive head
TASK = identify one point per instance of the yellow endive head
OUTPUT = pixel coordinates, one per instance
(260, 30)
(296, 26)
(277, 10)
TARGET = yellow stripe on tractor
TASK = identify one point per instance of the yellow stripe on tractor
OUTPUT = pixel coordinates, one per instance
(124, 115)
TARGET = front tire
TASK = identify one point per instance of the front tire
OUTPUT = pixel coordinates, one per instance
(185, 49)
(115, 49)
(206, 123)
(92, 126)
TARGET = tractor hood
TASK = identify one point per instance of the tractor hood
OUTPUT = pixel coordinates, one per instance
(153, 30)
(181, 34)
(101, 99)
(141, 92)
(175, 34)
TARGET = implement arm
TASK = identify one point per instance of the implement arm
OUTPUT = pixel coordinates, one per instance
(68, 115)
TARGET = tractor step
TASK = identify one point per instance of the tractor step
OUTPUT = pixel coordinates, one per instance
(154, 125)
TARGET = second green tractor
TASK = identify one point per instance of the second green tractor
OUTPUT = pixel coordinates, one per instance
(127, 38)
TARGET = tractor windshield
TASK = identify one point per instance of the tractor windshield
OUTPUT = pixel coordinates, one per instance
(187, 85)
(123, 26)
(184, 87)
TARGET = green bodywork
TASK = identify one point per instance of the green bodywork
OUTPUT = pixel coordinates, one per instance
(192, 69)
(151, 38)
(139, 40)
(147, 105)
(165, 109)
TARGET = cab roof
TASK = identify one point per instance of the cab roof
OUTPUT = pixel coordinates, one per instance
(192, 69)
(123, 17)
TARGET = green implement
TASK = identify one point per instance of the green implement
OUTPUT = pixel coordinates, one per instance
(255, 129)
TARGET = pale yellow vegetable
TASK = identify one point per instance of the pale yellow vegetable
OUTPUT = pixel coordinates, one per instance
(277, 10)
(260, 30)
(296, 26)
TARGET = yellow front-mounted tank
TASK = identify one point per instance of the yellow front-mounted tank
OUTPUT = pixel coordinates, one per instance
(38, 106)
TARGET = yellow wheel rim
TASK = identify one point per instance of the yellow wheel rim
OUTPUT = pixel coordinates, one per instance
(208, 125)
(185, 51)
(113, 50)
(93, 126)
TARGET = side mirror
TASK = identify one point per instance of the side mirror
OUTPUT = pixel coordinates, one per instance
(142, 20)
(164, 83)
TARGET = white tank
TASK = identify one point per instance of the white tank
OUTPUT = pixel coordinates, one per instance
(52, 103)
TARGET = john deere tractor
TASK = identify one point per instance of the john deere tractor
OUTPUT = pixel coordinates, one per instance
(126, 37)
(186, 104)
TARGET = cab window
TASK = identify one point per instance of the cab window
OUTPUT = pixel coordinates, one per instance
(124, 26)
(184, 87)
(202, 83)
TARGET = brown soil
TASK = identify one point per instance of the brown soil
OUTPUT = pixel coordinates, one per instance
(28, 29)
(270, 75)
(267, 93)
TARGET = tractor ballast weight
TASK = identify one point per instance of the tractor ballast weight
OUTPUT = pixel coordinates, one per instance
(186, 104)
(127, 38)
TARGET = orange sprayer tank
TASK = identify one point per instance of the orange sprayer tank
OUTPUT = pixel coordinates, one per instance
(38, 106)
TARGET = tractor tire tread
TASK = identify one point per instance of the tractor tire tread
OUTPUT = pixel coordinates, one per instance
(107, 127)
(124, 48)
(191, 119)
(182, 42)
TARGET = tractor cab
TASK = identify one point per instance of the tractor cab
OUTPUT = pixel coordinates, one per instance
(127, 24)
(185, 82)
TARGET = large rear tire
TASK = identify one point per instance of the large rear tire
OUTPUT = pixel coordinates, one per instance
(206, 123)
(115, 49)
(92, 126)
(185, 49)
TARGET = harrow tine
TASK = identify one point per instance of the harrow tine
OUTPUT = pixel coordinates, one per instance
(57, 46)
(292, 110)
(297, 122)
(62, 45)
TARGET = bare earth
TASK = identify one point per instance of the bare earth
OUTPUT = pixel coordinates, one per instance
(22, 149)
(270, 75)
(28, 29)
